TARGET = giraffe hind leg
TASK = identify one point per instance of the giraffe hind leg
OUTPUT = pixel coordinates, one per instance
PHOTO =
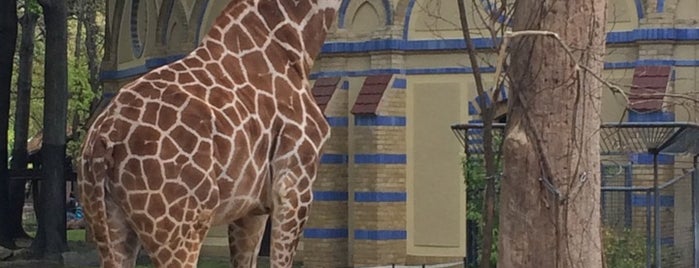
(244, 238)
(118, 244)
(178, 247)
(290, 212)
(172, 233)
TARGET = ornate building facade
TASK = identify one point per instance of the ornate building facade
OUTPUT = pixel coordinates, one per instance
(391, 79)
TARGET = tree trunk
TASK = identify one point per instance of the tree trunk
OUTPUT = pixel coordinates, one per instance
(51, 235)
(91, 34)
(487, 115)
(22, 108)
(550, 209)
(8, 35)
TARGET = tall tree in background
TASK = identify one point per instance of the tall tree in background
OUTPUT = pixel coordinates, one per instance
(22, 111)
(489, 151)
(550, 210)
(8, 37)
(51, 234)
(92, 32)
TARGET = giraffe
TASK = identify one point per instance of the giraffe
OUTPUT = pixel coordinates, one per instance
(228, 135)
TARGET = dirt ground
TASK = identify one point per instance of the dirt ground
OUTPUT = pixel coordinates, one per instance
(83, 255)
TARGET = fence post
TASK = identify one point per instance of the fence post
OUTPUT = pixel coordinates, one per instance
(695, 210)
(656, 212)
(628, 205)
(649, 242)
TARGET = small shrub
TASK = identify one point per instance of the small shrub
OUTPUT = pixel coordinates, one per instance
(624, 248)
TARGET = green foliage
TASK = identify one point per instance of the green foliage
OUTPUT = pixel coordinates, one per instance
(33, 6)
(81, 93)
(624, 248)
(81, 96)
(475, 179)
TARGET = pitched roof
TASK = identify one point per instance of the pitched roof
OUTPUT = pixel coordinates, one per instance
(323, 90)
(648, 87)
(371, 93)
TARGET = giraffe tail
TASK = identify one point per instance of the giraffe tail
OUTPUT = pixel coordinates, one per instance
(97, 166)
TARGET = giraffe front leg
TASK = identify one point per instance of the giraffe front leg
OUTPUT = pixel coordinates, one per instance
(244, 236)
(290, 212)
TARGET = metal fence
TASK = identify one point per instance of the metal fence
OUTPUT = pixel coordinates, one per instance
(650, 208)
(629, 218)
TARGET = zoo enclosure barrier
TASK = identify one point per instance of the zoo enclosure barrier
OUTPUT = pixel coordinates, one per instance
(655, 219)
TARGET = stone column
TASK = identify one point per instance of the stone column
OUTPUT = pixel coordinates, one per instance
(378, 178)
(326, 233)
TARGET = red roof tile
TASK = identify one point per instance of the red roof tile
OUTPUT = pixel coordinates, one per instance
(371, 93)
(648, 87)
(323, 90)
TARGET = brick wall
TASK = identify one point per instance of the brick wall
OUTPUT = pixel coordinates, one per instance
(326, 233)
(378, 185)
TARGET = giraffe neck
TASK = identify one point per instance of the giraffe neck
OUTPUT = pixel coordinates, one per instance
(289, 33)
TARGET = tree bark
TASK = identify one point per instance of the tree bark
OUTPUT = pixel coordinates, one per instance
(22, 108)
(550, 209)
(91, 34)
(8, 35)
(51, 235)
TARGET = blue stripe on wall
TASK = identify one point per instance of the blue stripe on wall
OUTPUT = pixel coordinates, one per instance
(640, 200)
(485, 69)
(388, 11)
(400, 83)
(472, 109)
(330, 196)
(393, 121)
(341, 14)
(361, 234)
(619, 37)
(333, 159)
(444, 70)
(406, 21)
(660, 6)
(123, 73)
(380, 196)
(136, 46)
(403, 45)
(647, 159)
(338, 121)
(658, 116)
(639, 8)
(325, 233)
(157, 62)
(380, 158)
(650, 34)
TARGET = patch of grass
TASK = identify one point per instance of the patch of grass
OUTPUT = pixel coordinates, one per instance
(76, 235)
(72, 235)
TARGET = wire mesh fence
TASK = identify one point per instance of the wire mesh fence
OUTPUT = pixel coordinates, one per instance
(636, 228)
(628, 213)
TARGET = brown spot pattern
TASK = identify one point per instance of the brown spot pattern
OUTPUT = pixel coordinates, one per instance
(184, 138)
